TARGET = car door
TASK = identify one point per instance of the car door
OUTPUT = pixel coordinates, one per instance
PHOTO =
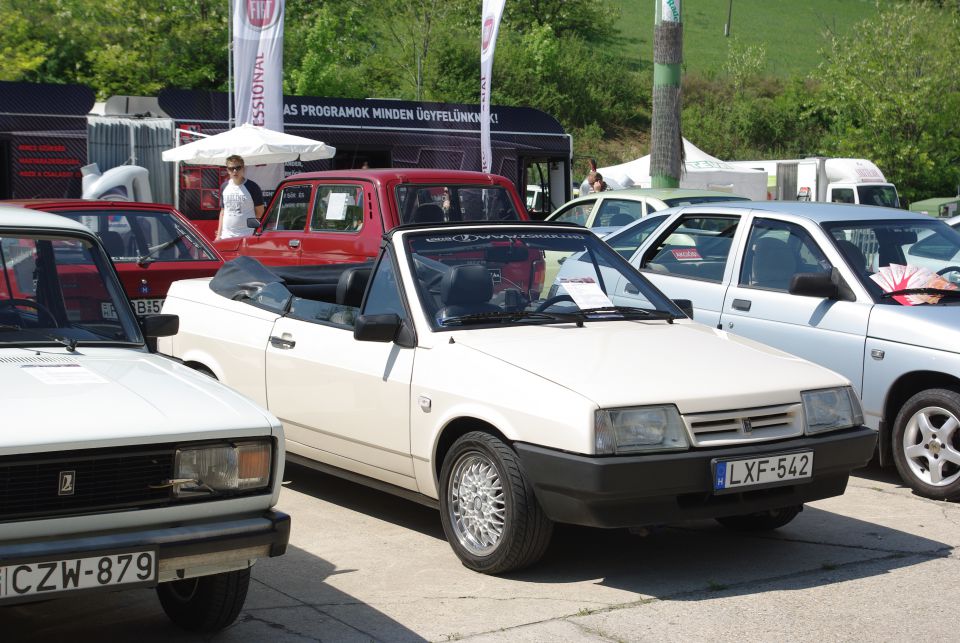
(344, 402)
(758, 305)
(344, 224)
(278, 240)
(693, 259)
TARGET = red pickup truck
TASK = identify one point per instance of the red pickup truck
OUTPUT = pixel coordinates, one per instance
(340, 216)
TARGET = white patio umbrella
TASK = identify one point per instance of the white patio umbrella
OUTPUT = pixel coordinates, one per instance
(257, 145)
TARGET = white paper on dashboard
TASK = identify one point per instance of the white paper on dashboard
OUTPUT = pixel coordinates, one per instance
(586, 293)
(337, 206)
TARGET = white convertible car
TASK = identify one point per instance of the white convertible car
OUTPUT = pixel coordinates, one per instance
(440, 373)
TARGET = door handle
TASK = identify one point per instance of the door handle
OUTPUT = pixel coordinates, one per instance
(285, 342)
(630, 289)
(294, 243)
(742, 304)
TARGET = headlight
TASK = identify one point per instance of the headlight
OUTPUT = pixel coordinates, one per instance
(642, 428)
(830, 409)
(222, 467)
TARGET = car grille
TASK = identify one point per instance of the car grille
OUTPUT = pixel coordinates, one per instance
(741, 426)
(104, 480)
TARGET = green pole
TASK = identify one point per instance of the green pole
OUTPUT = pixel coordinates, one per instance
(666, 144)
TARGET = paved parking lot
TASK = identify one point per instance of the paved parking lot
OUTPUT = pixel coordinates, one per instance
(877, 564)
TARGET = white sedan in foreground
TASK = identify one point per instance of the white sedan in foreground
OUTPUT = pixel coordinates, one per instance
(440, 373)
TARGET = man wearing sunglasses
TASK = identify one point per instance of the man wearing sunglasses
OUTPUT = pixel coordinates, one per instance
(240, 199)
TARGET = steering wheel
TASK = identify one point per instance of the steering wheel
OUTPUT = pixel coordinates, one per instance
(550, 301)
(43, 311)
(948, 269)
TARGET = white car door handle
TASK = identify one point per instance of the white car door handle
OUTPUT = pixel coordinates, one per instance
(285, 342)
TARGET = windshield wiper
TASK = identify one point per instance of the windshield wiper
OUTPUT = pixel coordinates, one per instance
(629, 312)
(921, 291)
(70, 343)
(504, 315)
(142, 261)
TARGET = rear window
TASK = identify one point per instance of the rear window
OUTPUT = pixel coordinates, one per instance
(451, 202)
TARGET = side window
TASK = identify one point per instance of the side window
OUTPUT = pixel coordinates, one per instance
(578, 213)
(384, 295)
(288, 211)
(696, 247)
(776, 251)
(337, 208)
(842, 195)
(618, 212)
(626, 244)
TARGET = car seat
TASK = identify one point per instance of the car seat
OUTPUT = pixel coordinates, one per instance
(773, 264)
(428, 213)
(466, 290)
(854, 256)
(113, 242)
(350, 290)
(621, 219)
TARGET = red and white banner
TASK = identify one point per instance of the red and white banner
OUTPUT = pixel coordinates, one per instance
(492, 12)
(258, 71)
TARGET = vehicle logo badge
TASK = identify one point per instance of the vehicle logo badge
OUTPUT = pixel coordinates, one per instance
(746, 425)
(67, 481)
(144, 287)
(261, 13)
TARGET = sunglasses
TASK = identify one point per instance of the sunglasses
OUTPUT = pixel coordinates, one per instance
(234, 168)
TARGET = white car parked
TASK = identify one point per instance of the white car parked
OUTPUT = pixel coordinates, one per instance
(440, 373)
(869, 292)
(119, 468)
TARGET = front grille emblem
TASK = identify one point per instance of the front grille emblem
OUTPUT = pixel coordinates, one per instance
(68, 480)
(746, 425)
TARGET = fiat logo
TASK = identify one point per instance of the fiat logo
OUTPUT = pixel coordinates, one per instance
(261, 13)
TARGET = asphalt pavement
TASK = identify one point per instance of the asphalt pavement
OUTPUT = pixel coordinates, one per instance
(876, 564)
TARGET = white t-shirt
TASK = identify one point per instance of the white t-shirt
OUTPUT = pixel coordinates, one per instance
(239, 204)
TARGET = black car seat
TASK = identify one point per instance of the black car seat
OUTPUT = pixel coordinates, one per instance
(854, 256)
(428, 213)
(773, 264)
(113, 242)
(466, 290)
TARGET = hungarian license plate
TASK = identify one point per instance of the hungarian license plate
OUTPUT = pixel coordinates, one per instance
(771, 470)
(32, 578)
(140, 306)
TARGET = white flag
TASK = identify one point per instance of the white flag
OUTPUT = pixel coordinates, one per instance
(492, 11)
(258, 73)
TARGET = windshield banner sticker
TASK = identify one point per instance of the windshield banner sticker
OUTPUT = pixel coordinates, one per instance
(686, 254)
(586, 293)
(63, 374)
(894, 278)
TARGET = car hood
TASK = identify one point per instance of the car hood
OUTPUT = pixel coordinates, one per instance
(113, 397)
(624, 363)
(936, 327)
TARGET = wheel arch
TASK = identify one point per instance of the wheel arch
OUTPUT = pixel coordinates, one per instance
(453, 431)
(905, 387)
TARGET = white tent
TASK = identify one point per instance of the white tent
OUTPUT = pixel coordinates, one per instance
(257, 145)
(701, 171)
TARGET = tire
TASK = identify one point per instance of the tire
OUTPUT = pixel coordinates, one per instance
(490, 514)
(206, 603)
(926, 443)
(762, 520)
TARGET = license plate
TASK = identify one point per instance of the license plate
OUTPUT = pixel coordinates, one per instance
(32, 578)
(140, 306)
(769, 470)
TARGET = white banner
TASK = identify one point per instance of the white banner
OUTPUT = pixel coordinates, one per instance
(492, 11)
(258, 73)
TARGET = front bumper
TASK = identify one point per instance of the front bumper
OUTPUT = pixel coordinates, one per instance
(630, 491)
(184, 550)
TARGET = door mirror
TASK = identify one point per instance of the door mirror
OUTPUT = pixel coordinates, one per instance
(814, 284)
(686, 306)
(160, 325)
(376, 328)
(253, 222)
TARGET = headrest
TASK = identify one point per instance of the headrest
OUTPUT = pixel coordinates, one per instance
(351, 286)
(428, 213)
(468, 284)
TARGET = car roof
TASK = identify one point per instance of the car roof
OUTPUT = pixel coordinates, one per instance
(88, 204)
(17, 217)
(411, 174)
(816, 211)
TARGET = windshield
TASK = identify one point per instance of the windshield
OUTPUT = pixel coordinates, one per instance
(138, 236)
(885, 195)
(59, 290)
(892, 256)
(451, 202)
(528, 276)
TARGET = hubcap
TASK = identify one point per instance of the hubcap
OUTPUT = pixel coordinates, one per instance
(476, 503)
(930, 443)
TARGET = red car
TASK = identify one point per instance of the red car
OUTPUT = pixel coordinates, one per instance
(151, 244)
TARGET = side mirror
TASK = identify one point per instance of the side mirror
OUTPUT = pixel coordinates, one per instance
(253, 222)
(686, 306)
(814, 284)
(160, 325)
(376, 328)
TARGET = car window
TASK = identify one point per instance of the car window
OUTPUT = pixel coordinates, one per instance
(577, 213)
(617, 212)
(130, 237)
(776, 251)
(627, 241)
(288, 210)
(454, 202)
(384, 296)
(696, 246)
(842, 195)
(337, 208)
